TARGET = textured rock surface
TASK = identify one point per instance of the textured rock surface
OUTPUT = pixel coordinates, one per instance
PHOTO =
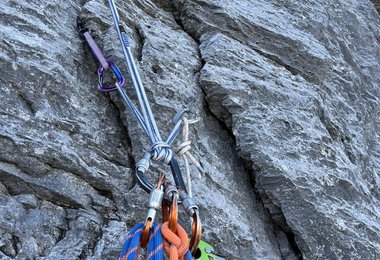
(377, 4)
(289, 96)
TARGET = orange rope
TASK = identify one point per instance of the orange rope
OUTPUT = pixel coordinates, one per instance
(175, 244)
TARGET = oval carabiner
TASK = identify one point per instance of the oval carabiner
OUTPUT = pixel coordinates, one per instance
(173, 217)
(117, 74)
(196, 232)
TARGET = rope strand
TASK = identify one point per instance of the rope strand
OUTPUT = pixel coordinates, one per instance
(131, 244)
(183, 150)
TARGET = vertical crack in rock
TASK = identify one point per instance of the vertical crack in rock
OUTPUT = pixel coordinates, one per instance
(376, 4)
(281, 225)
(140, 42)
(98, 237)
(127, 137)
(277, 220)
(16, 243)
(336, 134)
(62, 234)
(277, 225)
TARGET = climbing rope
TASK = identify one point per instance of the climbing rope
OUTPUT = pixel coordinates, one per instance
(172, 196)
(183, 150)
(131, 244)
(176, 242)
(148, 232)
(155, 246)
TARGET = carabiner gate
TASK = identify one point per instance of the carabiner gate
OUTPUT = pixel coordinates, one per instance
(117, 74)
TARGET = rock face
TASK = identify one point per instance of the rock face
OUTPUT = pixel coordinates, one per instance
(377, 4)
(289, 98)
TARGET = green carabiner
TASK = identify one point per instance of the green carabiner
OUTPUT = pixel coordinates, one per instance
(205, 251)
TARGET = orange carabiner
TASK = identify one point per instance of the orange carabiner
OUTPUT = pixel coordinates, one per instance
(145, 234)
(196, 232)
(173, 218)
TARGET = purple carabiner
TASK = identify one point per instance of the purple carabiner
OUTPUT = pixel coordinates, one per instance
(85, 33)
(104, 64)
(116, 72)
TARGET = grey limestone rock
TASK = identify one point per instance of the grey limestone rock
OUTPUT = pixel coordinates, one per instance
(288, 93)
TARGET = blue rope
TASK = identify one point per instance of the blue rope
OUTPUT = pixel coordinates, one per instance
(188, 255)
(133, 240)
(155, 246)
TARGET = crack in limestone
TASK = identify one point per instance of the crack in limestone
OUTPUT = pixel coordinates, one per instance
(63, 231)
(247, 164)
(127, 138)
(279, 62)
(251, 174)
(35, 188)
(140, 41)
(336, 134)
(376, 3)
(102, 191)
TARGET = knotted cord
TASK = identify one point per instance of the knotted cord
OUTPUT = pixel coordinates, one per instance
(183, 150)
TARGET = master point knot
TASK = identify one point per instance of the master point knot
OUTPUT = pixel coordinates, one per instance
(161, 151)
